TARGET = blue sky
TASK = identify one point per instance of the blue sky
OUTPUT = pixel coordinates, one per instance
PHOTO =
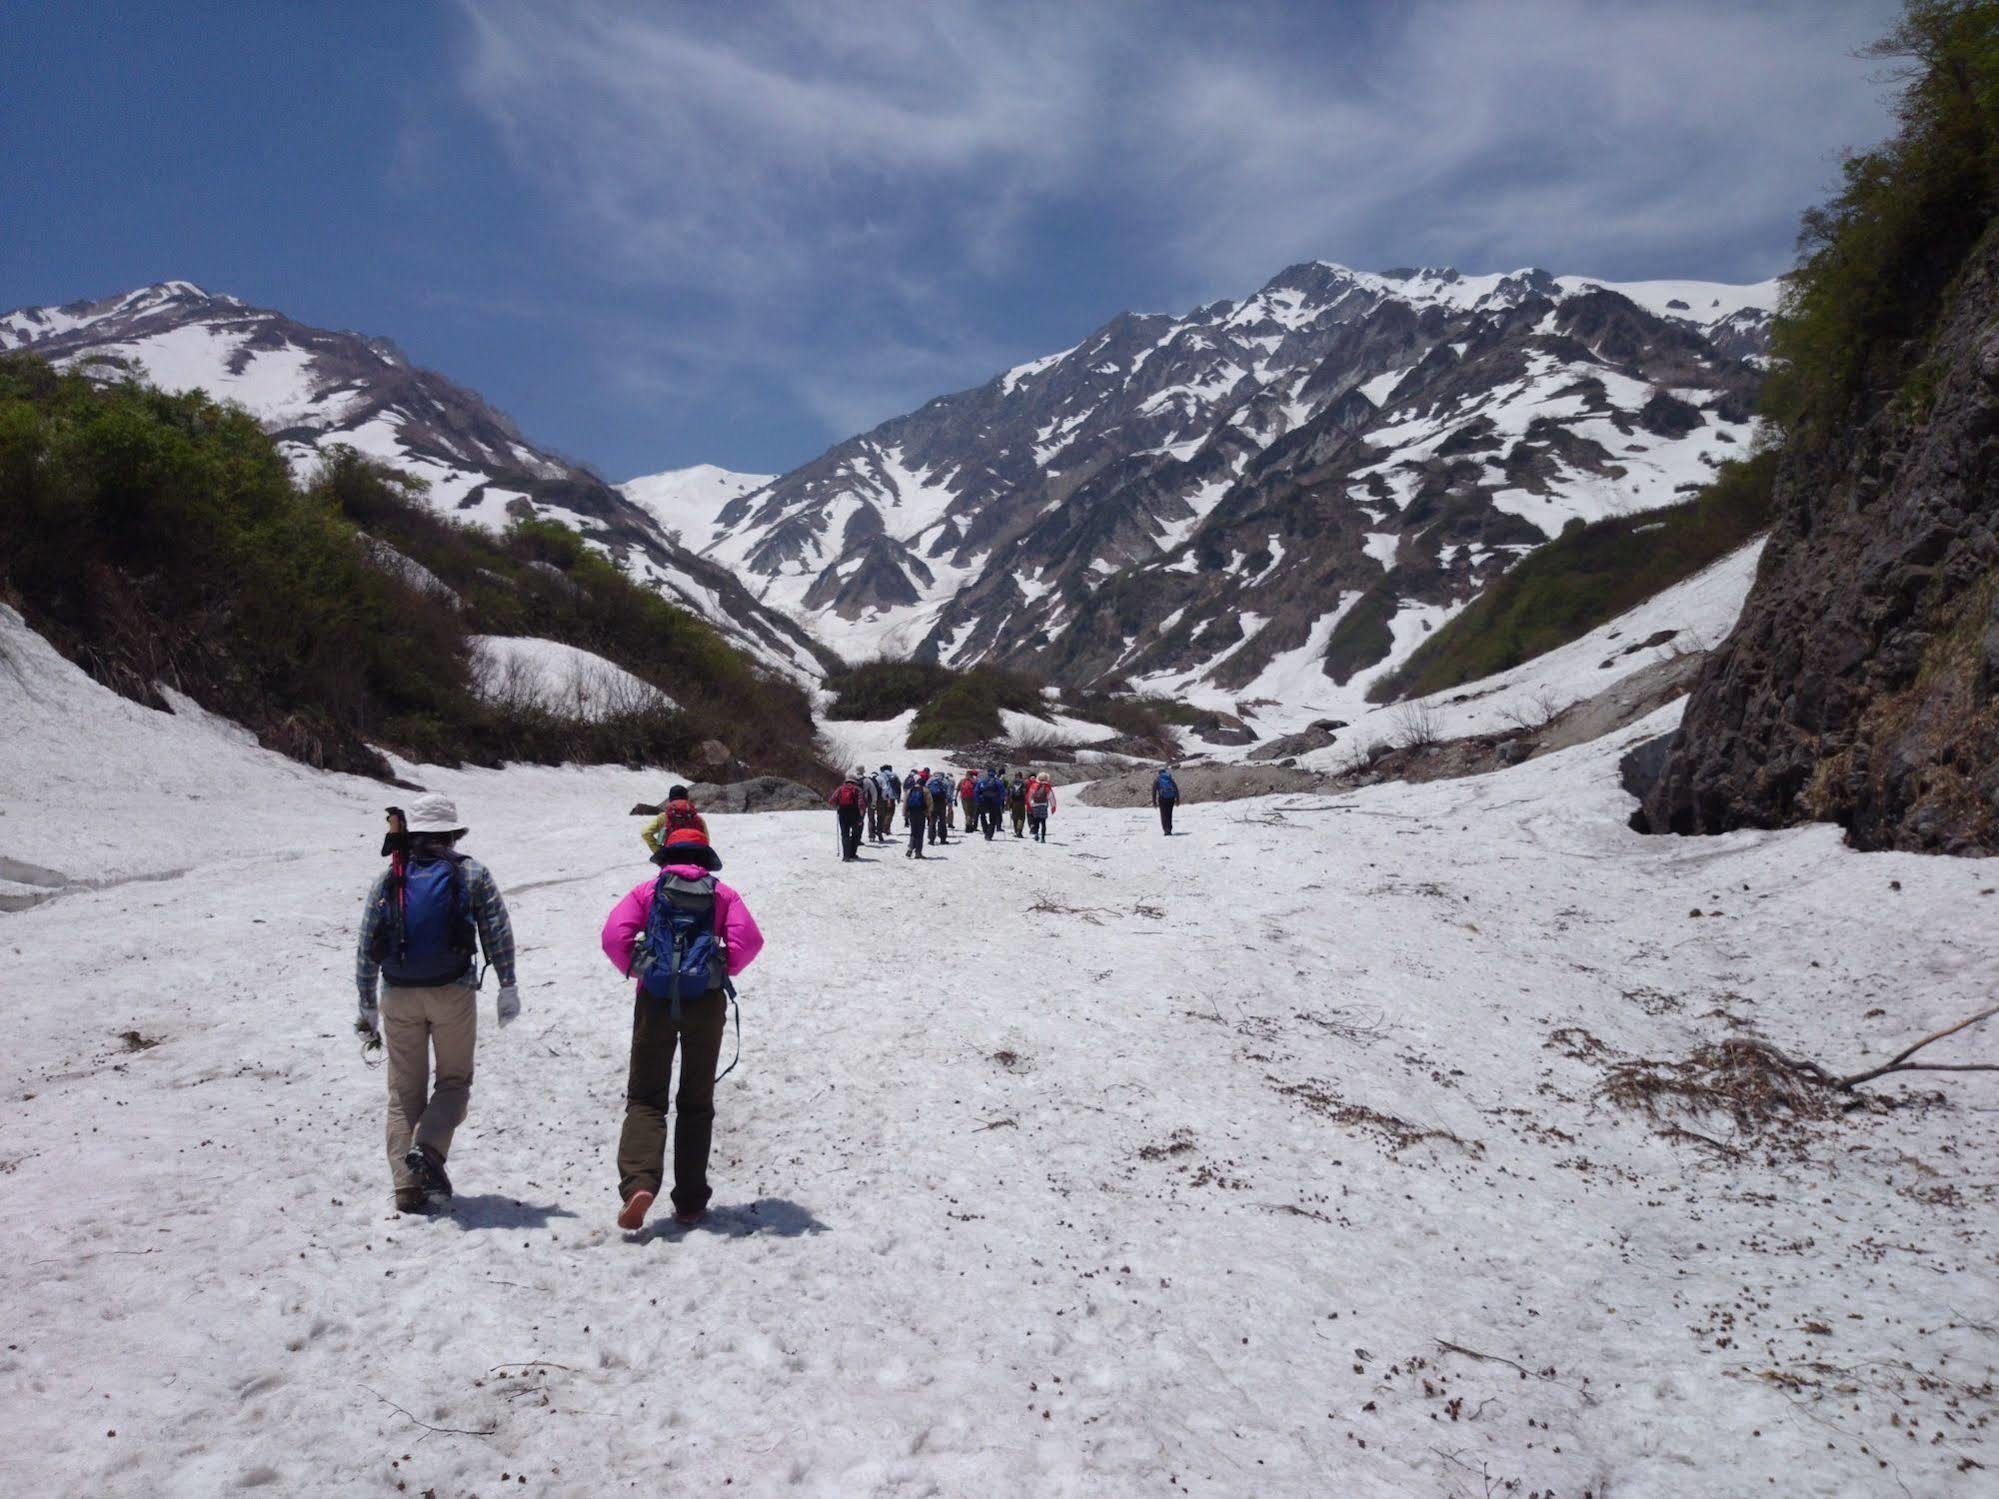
(660, 234)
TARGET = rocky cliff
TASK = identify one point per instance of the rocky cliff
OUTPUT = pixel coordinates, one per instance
(1859, 686)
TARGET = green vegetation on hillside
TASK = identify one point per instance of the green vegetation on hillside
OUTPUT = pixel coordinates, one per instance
(961, 707)
(952, 707)
(967, 711)
(1586, 577)
(882, 688)
(1877, 261)
(159, 538)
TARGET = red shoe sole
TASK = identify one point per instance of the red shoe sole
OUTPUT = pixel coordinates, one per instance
(636, 1205)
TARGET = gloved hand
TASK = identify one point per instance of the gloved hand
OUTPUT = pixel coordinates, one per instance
(508, 1006)
(368, 1018)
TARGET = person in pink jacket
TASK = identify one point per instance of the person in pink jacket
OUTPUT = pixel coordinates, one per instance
(1040, 803)
(681, 1000)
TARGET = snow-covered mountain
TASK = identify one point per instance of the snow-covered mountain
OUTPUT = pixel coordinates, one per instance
(1304, 480)
(686, 501)
(312, 388)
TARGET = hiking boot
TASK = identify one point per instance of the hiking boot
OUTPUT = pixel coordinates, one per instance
(688, 1217)
(427, 1166)
(636, 1206)
(411, 1200)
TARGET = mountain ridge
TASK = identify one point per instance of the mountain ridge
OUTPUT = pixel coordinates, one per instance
(1417, 420)
(315, 388)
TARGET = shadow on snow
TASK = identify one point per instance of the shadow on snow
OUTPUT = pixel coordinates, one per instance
(767, 1217)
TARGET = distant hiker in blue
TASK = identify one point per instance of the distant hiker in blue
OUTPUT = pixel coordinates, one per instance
(992, 803)
(916, 802)
(1165, 794)
(417, 933)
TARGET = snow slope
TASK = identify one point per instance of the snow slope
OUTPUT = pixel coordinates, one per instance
(1293, 692)
(686, 501)
(561, 678)
(1133, 1197)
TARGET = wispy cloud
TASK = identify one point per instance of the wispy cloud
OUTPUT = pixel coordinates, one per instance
(847, 194)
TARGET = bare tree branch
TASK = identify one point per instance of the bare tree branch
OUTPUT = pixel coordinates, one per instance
(1901, 1062)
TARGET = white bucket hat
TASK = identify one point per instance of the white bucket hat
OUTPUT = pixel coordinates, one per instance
(434, 814)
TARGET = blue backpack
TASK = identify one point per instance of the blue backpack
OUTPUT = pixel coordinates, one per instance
(680, 956)
(918, 799)
(428, 940)
(1166, 788)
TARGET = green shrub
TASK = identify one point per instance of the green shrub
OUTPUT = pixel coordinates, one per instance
(1586, 577)
(967, 711)
(1877, 259)
(882, 688)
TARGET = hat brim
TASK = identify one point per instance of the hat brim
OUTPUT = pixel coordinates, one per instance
(433, 828)
(698, 854)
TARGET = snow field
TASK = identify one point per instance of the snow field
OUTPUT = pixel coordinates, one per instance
(559, 678)
(1170, 1171)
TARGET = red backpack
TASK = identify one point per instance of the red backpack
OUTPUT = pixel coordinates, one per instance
(847, 797)
(680, 813)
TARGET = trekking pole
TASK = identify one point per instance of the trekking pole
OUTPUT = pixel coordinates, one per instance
(730, 989)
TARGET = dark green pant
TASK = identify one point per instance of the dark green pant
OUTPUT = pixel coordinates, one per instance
(642, 1144)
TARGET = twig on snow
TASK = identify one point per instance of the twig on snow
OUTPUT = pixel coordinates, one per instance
(455, 1431)
(1679, 1132)
(1525, 1372)
(1901, 1062)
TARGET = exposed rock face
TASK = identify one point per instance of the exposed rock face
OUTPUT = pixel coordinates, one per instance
(1859, 685)
(312, 388)
(1301, 743)
(758, 794)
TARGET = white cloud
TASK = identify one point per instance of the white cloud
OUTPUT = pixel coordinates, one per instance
(839, 189)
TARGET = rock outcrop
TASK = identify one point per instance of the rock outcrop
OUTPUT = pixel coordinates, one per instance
(1859, 685)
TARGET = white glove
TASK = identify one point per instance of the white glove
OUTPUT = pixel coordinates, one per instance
(367, 1017)
(508, 1005)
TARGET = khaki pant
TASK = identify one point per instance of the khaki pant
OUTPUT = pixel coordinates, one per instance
(642, 1143)
(416, 1022)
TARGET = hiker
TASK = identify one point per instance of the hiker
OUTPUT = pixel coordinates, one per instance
(677, 811)
(1016, 802)
(849, 802)
(939, 787)
(1165, 792)
(418, 932)
(968, 791)
(891, 786)
(916, 812)
(871, 799)
(682, 935)
(1040, 803)
(992, 801)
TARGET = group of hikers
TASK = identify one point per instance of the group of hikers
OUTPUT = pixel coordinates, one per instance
(680, 935)
(930, 802)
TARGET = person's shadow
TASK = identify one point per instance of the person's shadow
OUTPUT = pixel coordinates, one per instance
(766, 1218)
(491, 1210)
